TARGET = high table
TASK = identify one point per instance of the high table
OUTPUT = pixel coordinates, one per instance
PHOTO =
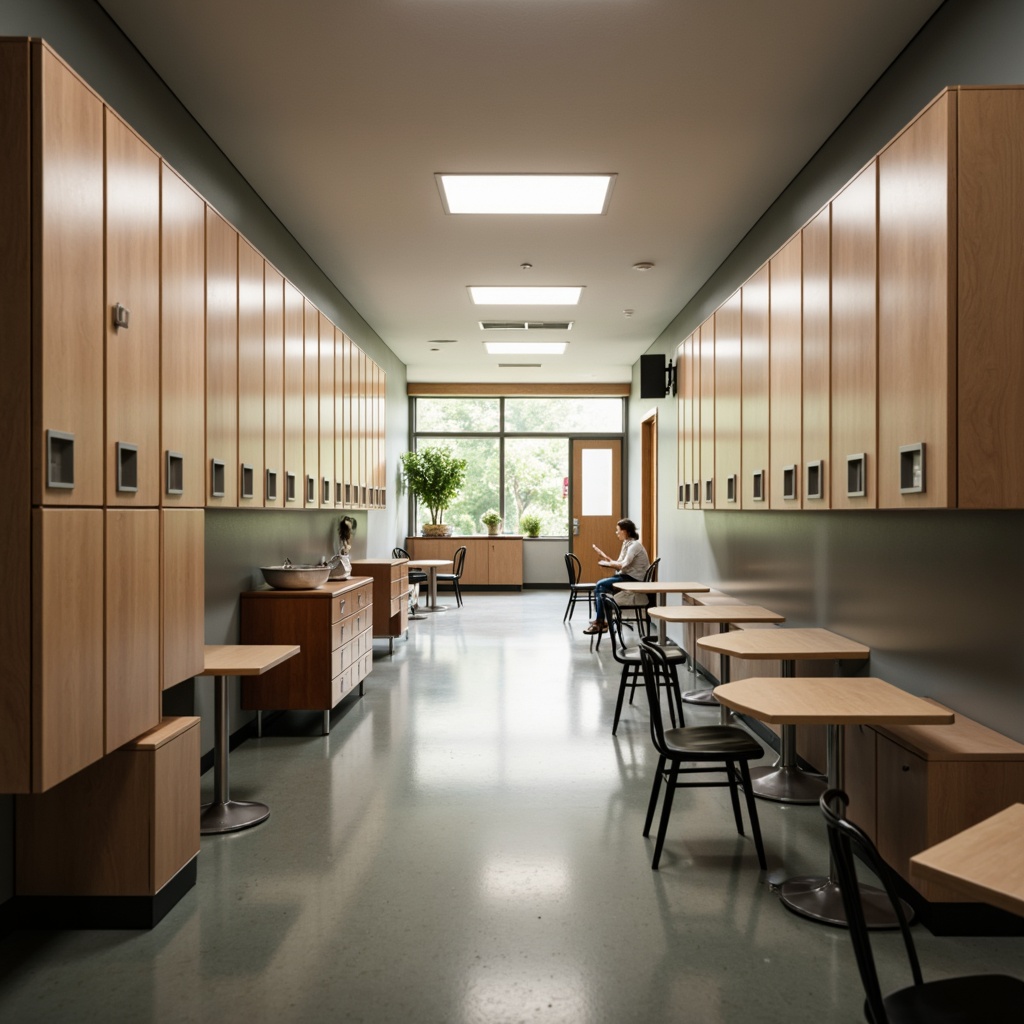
(221, 661)
(985, 861)
(431, 565)
(785, 781)
(724, 615)
(661, 590)
(827, 700)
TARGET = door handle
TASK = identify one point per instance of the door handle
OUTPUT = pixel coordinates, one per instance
(575, 527)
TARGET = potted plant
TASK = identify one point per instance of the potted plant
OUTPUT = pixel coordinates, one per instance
(434, 475)
(492, 520)
(530, 525)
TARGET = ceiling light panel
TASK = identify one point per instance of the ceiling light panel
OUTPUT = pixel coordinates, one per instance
(485, 295)
(525, 348)
(525, 193)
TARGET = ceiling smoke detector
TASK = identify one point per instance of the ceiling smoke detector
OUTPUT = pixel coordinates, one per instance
(643, 266)
(627, 313)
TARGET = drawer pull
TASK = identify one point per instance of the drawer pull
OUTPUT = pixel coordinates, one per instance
(905, 767)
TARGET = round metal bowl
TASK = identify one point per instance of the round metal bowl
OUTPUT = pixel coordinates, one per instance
(295, 577)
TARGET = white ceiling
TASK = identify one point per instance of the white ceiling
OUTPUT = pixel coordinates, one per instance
(339, 113)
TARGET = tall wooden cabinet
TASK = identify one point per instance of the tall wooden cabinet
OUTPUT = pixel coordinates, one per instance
(786, 376)
(816, 366)
(755, 370)
(728, 402)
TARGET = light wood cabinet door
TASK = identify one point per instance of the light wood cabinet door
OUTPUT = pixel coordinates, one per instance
(785, 409)
(854, 342)
(728, 401)
(917, 313)
(680, 429)
(755, 363)
(311, 405)
(182, 594)
(990, 268)
(67, 643)
(817, 360)
(132, 205)
(294, 482)
(132, 621)
(68, 376)
(183, 343)
(273, 388)
(705, 498)
(326, 384)
(251, 357)
(358, 426)
(221, 362)
(687, 384)
(382, 430)
(505, 562)
(342, 413)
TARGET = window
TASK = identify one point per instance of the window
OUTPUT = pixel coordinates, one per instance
(518, 453)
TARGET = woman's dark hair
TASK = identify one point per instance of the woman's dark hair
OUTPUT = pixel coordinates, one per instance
(630, 527)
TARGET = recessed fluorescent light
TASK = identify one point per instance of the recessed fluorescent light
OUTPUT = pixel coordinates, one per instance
(524, 348)
(535, 296)
(525, 193)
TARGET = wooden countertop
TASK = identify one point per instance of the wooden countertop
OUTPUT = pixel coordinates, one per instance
(828, 700)
(332, 588)
(985, 861)
(245, 659)
(784, 644)
(657, 587)
(715, 613)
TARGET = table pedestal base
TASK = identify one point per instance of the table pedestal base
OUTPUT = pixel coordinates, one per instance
(820, 900)
(785, 784)
(231, 816)
(705, 697)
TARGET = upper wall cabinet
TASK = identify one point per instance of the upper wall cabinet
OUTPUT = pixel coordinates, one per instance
(327, 424)
(311, 404)
(182, 348)
(917, 312)
(51, 292)
(728, 401)
(706, 412)
(854, 341)
(273, 388)
(817, 365)
(294, 398)
(786, 375)
(990, 315)
(221, 362)
(686, 382)
(250, 376)
(133, 318)
(755, 370)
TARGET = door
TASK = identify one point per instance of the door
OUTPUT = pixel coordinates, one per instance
(596, 487)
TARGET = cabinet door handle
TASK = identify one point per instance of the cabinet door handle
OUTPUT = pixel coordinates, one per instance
(121, 316)
(905, 767)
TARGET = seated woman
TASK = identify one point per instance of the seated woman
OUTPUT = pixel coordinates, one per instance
(631, 564)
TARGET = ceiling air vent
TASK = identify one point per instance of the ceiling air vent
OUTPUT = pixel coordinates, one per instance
(526, 325)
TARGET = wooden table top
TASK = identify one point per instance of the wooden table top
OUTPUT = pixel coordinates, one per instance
(715, 613)
(829, 700)
(658, 587)
(429, 563)
(784, 644)
(985, 861)
(245, 659)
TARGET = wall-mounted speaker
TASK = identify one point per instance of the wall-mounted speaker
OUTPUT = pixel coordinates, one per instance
(656, 379)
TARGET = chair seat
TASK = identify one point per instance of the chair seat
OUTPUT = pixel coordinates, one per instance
(993, 998)
(674, 655)
(713, 742)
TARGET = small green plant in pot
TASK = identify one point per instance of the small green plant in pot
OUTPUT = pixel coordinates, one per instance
(492, 520)
(530, 525)
(434, 475)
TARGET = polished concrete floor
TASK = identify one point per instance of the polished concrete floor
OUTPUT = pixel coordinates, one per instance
(465, 848)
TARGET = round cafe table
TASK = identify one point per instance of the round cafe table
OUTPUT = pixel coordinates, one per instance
(431, 565)
(835, 702)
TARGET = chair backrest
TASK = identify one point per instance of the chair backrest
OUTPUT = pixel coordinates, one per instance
(573, 567)
(399, 553)
(846, 840)
(458, 560)
(655, 667)
(613, 617)
(651, 576)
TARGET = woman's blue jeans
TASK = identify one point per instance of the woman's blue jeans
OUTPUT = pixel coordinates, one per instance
(605, 587)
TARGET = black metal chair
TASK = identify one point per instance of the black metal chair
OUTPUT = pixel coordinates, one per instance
(993, 998)
(703, 746)
(453, 577)
(574, 569)
(416, 577)
(628, 656)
